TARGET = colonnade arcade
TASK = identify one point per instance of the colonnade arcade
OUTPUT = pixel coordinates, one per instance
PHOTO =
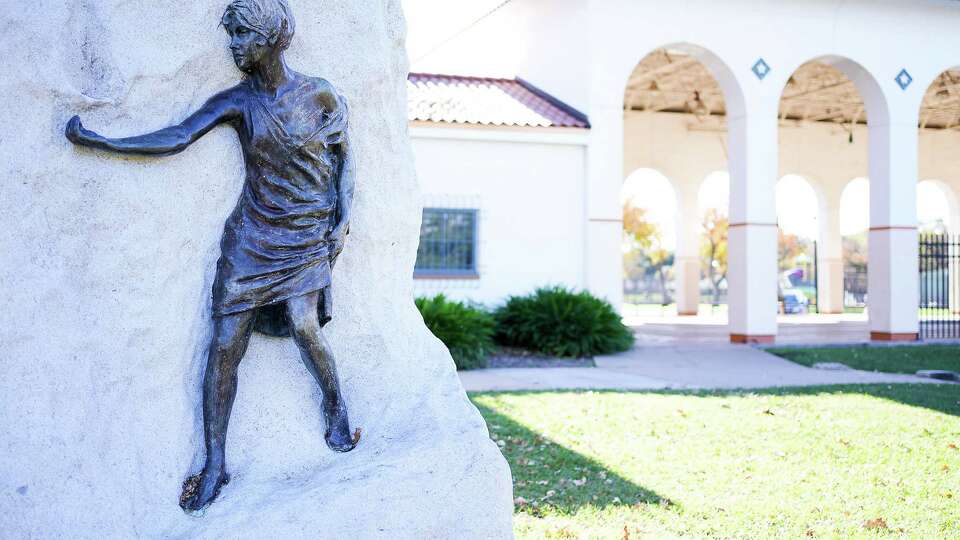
(685, 114)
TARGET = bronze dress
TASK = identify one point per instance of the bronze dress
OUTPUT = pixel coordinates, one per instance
(274, 245)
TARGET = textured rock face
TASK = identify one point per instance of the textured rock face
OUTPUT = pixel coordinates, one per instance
(106, 266)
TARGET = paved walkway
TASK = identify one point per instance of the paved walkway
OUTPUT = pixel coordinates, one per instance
(674, 365)
(791, 329)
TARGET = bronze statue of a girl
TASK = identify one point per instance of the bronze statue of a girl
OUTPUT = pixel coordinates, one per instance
(280, 243)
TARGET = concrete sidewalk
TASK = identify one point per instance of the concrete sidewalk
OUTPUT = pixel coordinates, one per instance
(691, 366)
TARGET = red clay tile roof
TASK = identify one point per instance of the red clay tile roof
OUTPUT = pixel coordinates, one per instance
(481, 100)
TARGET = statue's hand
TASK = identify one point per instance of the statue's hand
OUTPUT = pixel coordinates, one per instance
(338, 236)
(76, 133)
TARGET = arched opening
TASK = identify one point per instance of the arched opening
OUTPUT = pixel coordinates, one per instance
(675, 106)
(823, 132)
(938, 212)
(713, 204)
(854, 226)
(797, 231)
(936, 208)
(649, 243)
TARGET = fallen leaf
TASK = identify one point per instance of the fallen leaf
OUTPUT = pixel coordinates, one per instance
(810, 533)
(768, 411)
(580, 482)
(952, 446)
(876, 523)
(356, 435)
(520, 501)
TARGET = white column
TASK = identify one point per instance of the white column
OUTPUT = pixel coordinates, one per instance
(892, 272)
(604, 220)
(830, 254)
(686, 264)
(752, 242)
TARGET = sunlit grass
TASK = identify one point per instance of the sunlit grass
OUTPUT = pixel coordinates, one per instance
(836, 462)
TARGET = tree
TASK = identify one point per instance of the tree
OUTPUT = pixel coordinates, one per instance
(713, 249)
(644, 253)
(789, 246)
(855, 251)
(637, 228)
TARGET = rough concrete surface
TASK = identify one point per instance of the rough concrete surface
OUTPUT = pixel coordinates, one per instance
(106, 266)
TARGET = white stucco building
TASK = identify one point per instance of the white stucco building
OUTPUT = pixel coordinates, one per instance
(826, 89)
(510, 163)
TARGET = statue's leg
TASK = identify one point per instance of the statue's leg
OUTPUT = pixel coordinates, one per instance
(231, 334)
(316, 353)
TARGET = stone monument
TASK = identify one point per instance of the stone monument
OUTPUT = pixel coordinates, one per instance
(106, 268)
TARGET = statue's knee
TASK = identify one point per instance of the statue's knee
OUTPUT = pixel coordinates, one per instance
(225, 344)
(228, 340)
(305, 327)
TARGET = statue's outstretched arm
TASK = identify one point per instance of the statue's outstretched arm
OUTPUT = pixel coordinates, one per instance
(171, 140)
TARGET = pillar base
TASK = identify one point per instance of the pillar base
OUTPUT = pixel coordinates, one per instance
(894, 336)
(687, 313)
(748, 338)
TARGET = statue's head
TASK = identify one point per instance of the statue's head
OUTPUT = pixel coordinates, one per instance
(259, 30)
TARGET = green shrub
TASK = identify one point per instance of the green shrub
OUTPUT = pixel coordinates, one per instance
(466, 330)
(559, 322)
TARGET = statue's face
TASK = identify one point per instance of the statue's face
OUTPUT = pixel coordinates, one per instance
(249, 48)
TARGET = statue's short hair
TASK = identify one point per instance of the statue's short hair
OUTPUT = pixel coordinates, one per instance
(270, 18)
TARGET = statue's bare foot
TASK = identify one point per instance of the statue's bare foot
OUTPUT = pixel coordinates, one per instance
(201, 489)
(338, 434)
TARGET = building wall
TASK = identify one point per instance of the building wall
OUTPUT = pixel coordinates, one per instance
(529, 189)
(869, 41)
(686, 151)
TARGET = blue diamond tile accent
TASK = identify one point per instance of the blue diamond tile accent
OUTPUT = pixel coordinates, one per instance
(904, 79)
(760, 69)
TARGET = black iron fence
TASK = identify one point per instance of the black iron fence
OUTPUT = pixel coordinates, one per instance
(939, 286)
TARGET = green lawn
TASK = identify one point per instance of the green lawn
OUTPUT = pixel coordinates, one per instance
(827, 462)
(906, 359)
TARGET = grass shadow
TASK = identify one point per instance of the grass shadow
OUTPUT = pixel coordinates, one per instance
(940, 397)
(906, 359)
(548, 476)
(944, 398)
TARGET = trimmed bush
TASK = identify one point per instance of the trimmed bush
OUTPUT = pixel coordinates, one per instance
(466, 330)
(559, 322)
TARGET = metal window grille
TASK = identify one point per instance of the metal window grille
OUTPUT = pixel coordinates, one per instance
(939, 286)
(448, 243)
